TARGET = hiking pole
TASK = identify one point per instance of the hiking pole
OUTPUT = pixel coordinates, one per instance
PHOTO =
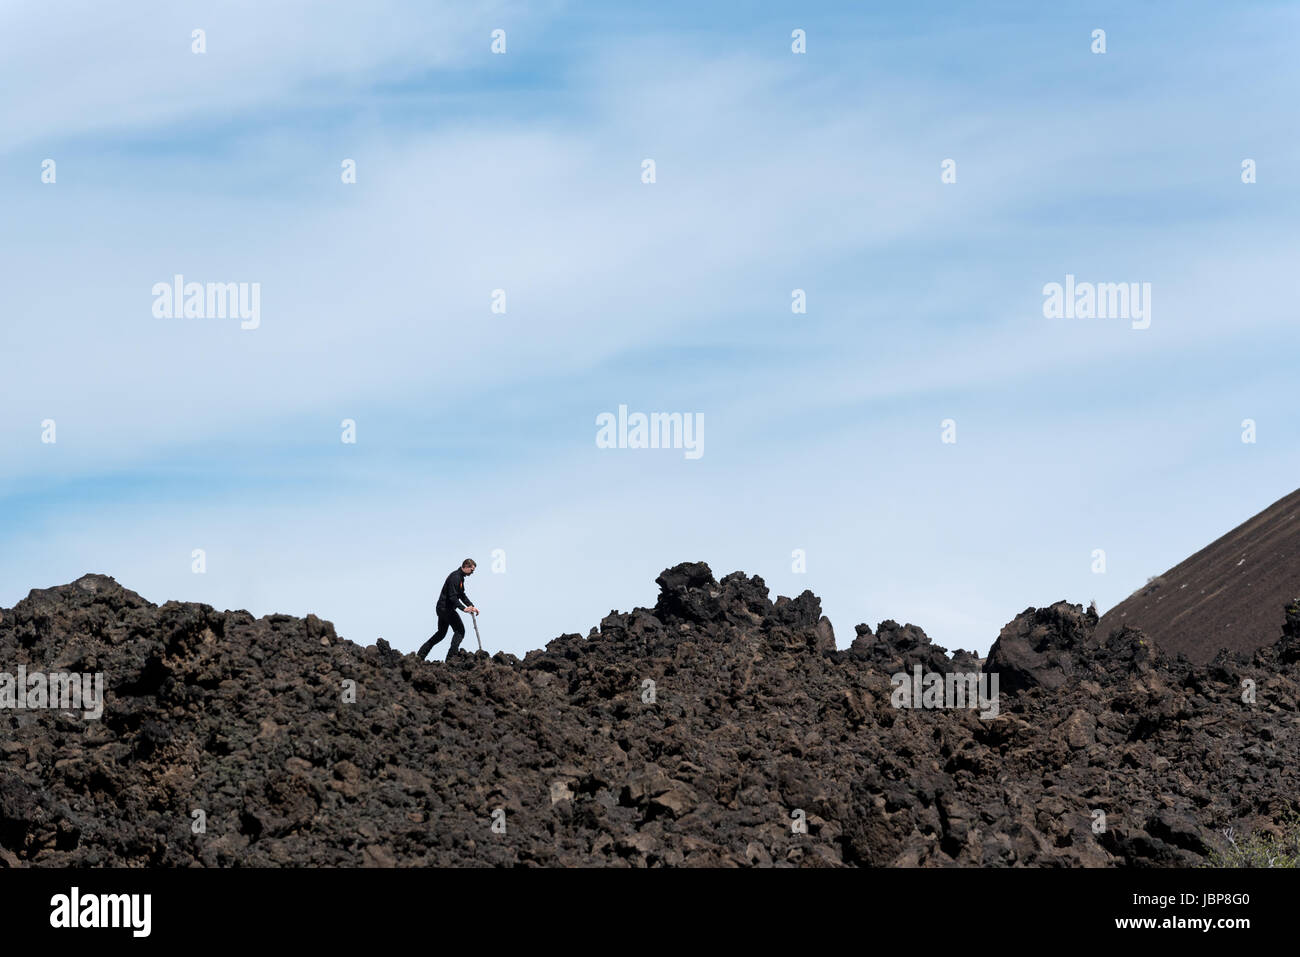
(474, 618)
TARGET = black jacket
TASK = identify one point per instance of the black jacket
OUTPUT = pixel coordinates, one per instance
(453, 593)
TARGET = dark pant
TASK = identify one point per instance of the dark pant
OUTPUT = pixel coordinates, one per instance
(447, 618)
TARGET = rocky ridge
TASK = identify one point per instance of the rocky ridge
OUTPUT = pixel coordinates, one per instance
(701, 732)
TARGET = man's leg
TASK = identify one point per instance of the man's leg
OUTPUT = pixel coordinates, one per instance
(457, 633)
(443, 624)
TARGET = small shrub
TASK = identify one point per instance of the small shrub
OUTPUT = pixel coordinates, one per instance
(1262, 849)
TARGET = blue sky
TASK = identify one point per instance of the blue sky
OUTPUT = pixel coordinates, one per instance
(775, 171)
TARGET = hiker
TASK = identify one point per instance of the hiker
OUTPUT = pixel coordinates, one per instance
(448, 607)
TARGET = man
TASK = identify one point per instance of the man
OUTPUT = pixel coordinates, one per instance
(449, 603)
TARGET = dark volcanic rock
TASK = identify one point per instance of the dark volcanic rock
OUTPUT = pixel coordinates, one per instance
(897, 647)
(692, 733)
(1230, 594)
(1042, 647)
(1059, 646)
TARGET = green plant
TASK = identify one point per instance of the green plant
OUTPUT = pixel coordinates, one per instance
(1262, 849)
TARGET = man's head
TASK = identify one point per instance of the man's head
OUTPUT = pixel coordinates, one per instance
(468, 566)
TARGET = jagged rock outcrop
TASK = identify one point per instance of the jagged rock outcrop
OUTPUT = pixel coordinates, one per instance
(1059, 646)
(717, 728)
(900, 648)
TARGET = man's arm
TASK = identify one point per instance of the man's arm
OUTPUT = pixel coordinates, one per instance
(463, 596)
